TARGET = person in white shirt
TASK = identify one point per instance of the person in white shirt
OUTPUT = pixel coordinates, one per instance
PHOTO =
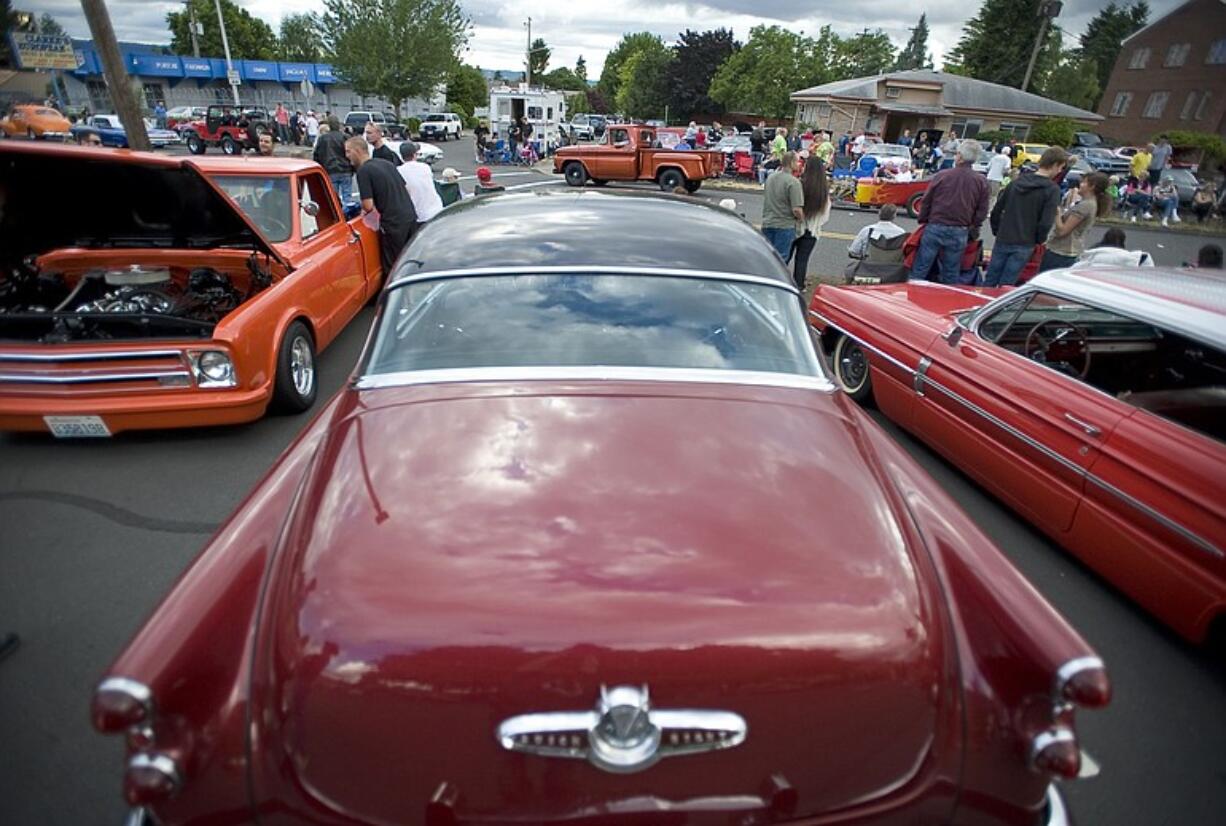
(884, 228)
(420, 183)
(312, 127)
(998, 168)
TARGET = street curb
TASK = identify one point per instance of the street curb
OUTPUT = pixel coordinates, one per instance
(1216, 229)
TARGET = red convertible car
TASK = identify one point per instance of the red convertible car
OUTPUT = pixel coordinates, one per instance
(590, 537)
(1092, 401)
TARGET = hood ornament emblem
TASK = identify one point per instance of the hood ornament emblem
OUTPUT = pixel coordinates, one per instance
(623, 733)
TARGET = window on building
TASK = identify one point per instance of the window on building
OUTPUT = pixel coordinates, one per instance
(1017, 130)
(893, 92)
(967, 127)
(1217, 52)
(1120, 107)
(1188, 105)
(1177, 54)
(1140, 57)
(549, 113)
(153, 93)
(1204, 106)
(1155, 104)
(534, 113)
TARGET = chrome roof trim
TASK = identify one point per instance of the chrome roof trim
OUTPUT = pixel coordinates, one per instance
(409, 378)
(600, 269)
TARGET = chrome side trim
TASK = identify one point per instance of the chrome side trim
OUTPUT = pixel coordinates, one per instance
(91, 378)
(1197, 540)
(921, 375)
(864, 344)
(598, 269)
(109, 355)
(409, 378)
(1070, 670)
(953, 287)
(1057, 813)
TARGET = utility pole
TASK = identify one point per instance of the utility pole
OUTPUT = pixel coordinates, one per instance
(195, 26)
(1048, 10)
(116, 73)
(231, 75)
(528, 55)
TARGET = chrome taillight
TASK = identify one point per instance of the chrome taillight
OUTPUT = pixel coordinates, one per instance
(149, 778)
(1084, 682)
(120, 703)
(1055, 752)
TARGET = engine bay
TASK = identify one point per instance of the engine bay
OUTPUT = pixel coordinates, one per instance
(45, 303)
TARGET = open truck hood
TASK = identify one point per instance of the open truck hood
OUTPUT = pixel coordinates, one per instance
(118, 199)
(458, 562)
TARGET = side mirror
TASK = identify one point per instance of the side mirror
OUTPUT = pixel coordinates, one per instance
(953, 336)
(310, 208)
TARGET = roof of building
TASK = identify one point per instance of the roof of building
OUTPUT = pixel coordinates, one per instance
(957, 91)
(1160, 19)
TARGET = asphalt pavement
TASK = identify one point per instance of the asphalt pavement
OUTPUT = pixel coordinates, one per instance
(93, 533)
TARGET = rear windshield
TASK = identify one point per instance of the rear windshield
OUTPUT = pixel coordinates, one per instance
(434, 117)
(591, 320)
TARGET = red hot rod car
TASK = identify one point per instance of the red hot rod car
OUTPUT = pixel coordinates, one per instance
(590, 537)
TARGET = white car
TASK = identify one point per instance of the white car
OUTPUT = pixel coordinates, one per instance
(441, 126)
(425, 152)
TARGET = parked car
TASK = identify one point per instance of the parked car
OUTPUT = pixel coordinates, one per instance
(426, 153)
(355, 123)
(34, 121)
(229, 128)
(1085, 140)
(562, 523)
(199, 296)
(1091, 400)
(587, 127)
(441, 126)
(628, 153)
(1076, 171)
(1029, 152)
(110, 129)
(1102, 159)
(394, 127)
(182, 115)
(1185, 181)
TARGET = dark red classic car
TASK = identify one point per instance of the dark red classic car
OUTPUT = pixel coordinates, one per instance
(1092, 401)
(590, 537)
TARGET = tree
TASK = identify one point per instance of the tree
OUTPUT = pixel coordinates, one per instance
(1074, 81)
(8, 19)
(398, 49)
(1104, 35)
(997, 42)
(868, 53)
(596, 102)
(760, 76)
(562, 78)
(1053, 131)
(466, 86)
(581, 70)
(915, 54)
(610, 75)
(538, 57)
(642, 90)
(697, 56)
(49, 25)
(250, 37)
(300, 40)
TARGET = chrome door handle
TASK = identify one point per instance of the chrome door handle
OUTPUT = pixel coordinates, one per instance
(1089, 429)
(353, 239)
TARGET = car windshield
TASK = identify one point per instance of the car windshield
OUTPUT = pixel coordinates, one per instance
(574, 320)
(264, 200)
(888, 149)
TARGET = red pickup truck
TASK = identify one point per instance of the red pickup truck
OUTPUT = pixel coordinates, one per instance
(631, 152)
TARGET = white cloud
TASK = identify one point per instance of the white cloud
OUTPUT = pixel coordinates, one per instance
(592, 27)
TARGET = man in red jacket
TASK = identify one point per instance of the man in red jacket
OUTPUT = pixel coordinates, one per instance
(954, 206)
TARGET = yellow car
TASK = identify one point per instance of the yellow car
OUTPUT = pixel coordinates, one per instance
(1028, 153)
(35, 121)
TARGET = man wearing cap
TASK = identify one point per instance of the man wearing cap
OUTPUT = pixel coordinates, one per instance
(449, 189)
(419, 183)
(485, 182)
(381, 189)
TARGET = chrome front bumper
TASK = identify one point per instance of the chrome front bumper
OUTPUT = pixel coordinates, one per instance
(1057, 813)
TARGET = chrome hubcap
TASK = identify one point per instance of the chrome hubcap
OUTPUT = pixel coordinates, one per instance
(302, 366)
(853, 366)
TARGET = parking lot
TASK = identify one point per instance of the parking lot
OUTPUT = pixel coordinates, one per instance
(96, 531)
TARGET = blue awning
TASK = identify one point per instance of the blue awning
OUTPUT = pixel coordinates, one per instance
(294, 72)
(219, 67)
(200, 68)
(323, 73)
(259, 70)
(154, 65)
(87, 63)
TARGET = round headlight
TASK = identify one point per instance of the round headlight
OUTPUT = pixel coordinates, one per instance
(216, 366)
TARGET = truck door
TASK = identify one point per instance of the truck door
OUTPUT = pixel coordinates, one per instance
(334, 263)
(620, 163)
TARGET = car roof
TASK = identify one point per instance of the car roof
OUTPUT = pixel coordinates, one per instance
(1186, 301)
(564, 227)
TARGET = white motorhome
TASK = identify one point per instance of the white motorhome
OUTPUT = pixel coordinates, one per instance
(545, 109)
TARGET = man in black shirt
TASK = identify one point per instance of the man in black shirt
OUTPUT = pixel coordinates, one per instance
(381, 188)
(330, 154)
(378, 149)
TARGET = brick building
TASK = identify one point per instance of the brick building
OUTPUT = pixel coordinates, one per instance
(925, 99)
(1170, 75)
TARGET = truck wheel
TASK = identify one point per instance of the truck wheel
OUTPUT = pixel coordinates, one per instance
(575, 173)
(296, 385)
(913, 204)
(194, 144)
(670, 179)
(693, 186)
(229, 146)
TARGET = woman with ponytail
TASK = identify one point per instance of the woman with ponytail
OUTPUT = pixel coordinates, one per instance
(1073, 220)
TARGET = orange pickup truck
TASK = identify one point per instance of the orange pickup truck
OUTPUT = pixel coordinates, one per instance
(631, 152)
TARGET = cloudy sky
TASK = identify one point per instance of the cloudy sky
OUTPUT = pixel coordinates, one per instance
(592, 27)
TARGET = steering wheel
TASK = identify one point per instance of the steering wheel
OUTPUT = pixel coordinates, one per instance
(1060, 345)
(273, 227)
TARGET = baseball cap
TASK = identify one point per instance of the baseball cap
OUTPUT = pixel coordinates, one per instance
(483, 174)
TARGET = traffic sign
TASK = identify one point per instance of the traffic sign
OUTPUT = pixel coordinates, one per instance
(232, 76)
(307, 87)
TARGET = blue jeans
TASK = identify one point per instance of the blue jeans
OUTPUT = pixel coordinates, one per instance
(781, 240)
(944, 244)
(1167, 205)
(1007, 263)
(343, 185)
